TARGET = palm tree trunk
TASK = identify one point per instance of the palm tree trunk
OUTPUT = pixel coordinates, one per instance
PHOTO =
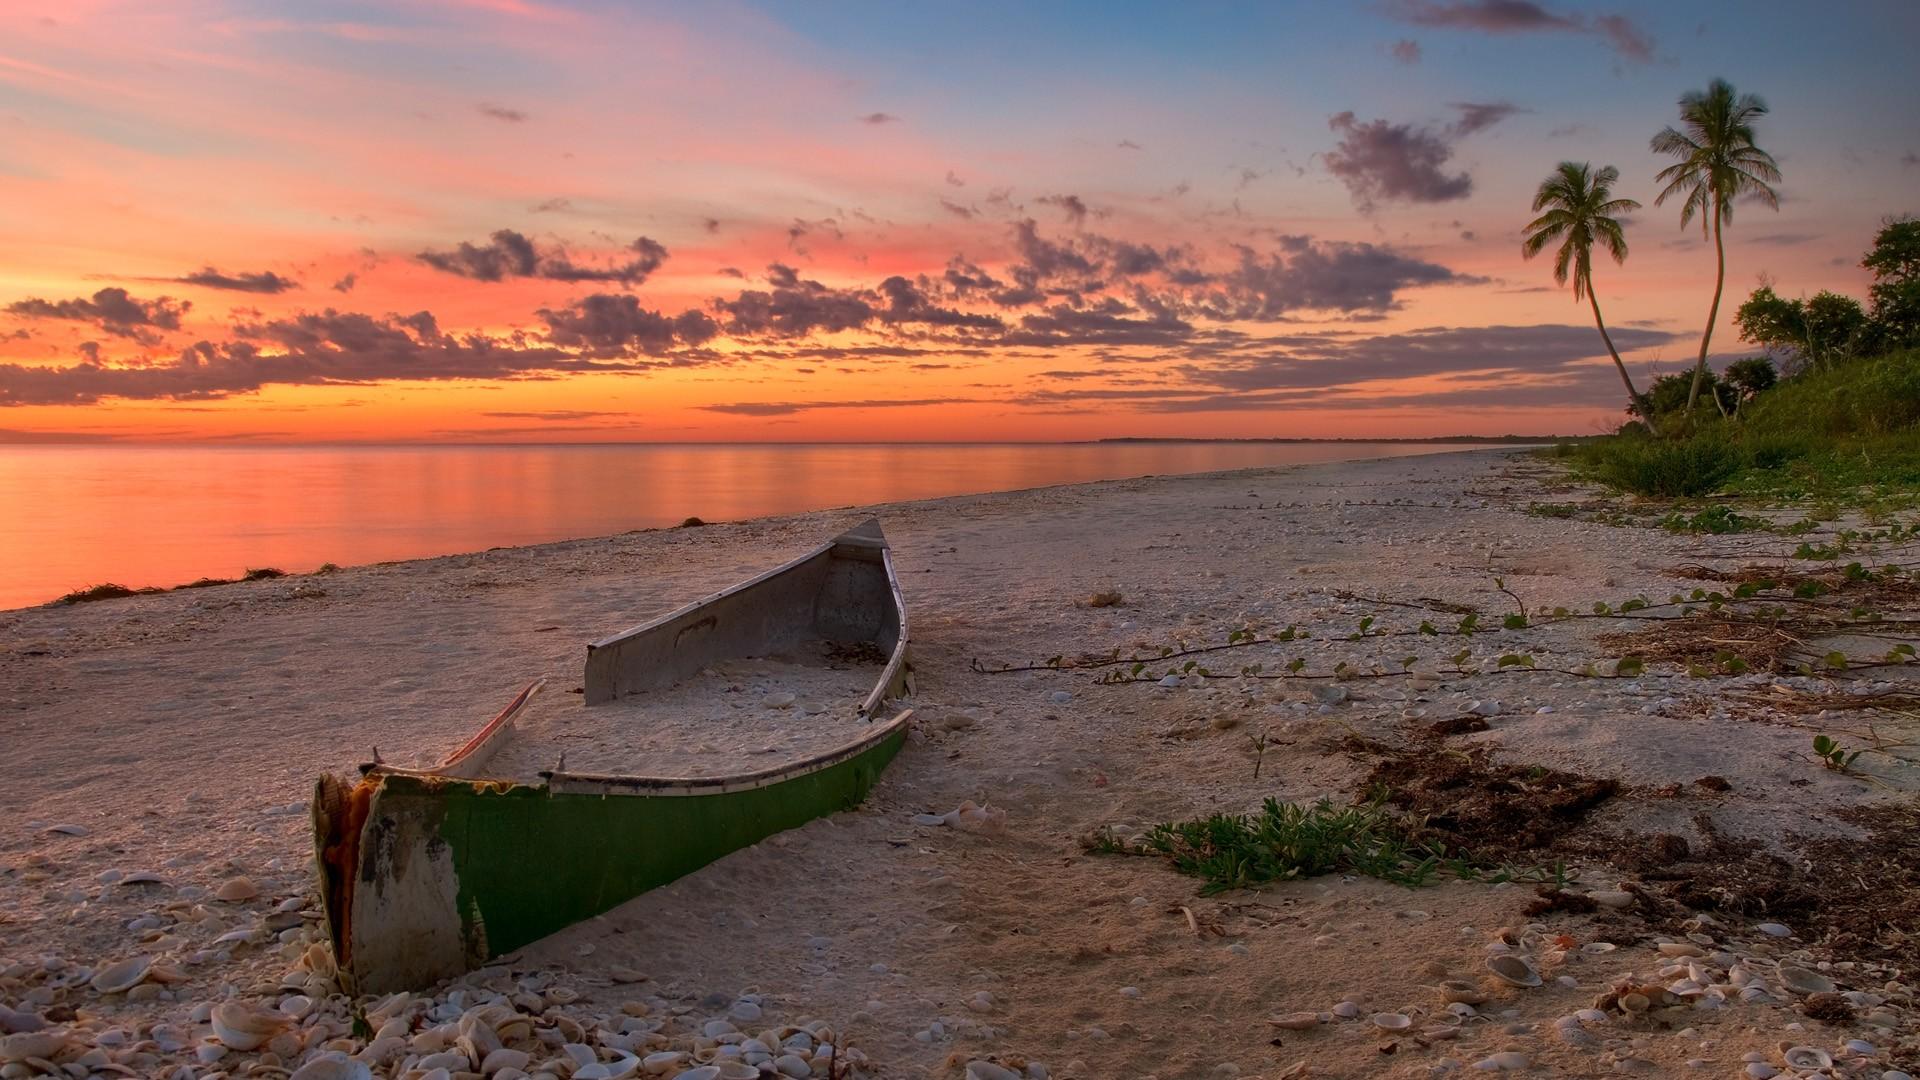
(1713, 314)
(1633, 396)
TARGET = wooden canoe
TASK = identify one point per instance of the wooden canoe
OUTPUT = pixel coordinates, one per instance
(428, 873)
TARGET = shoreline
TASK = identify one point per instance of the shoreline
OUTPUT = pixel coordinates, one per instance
(925, 945)
(116, 589)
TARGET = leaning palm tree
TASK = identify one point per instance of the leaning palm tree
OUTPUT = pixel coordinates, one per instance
(1718, 164)
(1580, 208)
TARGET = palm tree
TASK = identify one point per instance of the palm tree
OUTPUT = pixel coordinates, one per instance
(1718, 164)
(1580, 206)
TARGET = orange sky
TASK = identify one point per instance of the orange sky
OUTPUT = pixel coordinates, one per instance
(722, 222)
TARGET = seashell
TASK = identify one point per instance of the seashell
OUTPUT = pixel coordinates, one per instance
(1635, 1003)
(33, 1044)
(1513, 969)
(333, 1066)
(242, 1025)
(736, 1070)
(236, 890)
(1460, 990)
(1346, 1010)
(1298, 1021)
(125, 975)
(1679, 948)
(1806, 1057)
(704, 1072)
(1392, 1021)
(659, 1064)
(1618, 899)
(1801, 981)
(1595, 948)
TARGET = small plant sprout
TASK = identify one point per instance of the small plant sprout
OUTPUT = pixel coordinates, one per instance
(1259, 751)
(1833, 755)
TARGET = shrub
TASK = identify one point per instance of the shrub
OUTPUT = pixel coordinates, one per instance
(1687, 467)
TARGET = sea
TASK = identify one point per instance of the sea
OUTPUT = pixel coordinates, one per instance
(72, 517)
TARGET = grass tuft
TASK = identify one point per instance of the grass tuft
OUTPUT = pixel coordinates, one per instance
(692, 523)
(264, 573)
(1106, 598)
(105, 591)
(1295, 840)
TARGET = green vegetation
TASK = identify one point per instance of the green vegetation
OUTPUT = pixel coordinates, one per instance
(1843, 421)
(1294, 840)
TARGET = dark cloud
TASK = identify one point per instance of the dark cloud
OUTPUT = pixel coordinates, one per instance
(1128, 144)
(1406, 51)
(1070, 205)
(554, 415)
(953, 179)
(906, 303)
(1308, 275)
(324, 348)
(111, 311)
(957, 210)
(551, 206)
(788, 408)
(508, 254)
(346, 283)
(263, 282)
(879, 118)
(1783, 239)
(794, 307)
(1481, 116)
(1618, 32)
(614, 324)
(501, 113)
(1379, 160)
(1910, 158)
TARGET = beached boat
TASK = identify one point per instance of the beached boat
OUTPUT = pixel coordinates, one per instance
(427, 873)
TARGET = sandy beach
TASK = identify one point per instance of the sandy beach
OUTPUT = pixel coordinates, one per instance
(178, 736)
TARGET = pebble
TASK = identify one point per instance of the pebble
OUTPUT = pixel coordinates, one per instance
(1508, 1061)
(1059, 697)
(1171, 682)
(1774, 929)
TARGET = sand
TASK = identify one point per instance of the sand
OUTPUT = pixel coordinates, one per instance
(183, 731)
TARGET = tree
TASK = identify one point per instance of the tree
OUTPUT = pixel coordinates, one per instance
(1718, 165)
(1580, 209)
(1751, 377)
(1895, 293)
(1811, 333)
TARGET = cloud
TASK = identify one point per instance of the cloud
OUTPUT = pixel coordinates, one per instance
(1378, 160)
(1783, 239)
(1070, 205)
(794, 307)
(346, 283)
(1310, 275)
(1406, 51)
(1910, 158)
(1128, 144)
(957, 210)
(312, 349)
(501, 113)
(1618, 32)
(552, 415)
(508, 254)
(879, 118)
(906, 303)
(788, 408)
(953, 179)
(112, 311)
(554, 205)
(614, 324)
(263, 282)
(1481, 116)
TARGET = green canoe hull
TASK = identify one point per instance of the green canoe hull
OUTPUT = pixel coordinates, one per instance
(452, 873)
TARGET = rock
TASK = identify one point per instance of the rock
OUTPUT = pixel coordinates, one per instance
(237, 890)
(1507, 1061)
(1618, 899)
(1774, 929)
(987, 1070)
(957, 721)
(1332, 695)
(744, 1012)
(1486, 708)
(1060, 697)
(1170, 681)
(781, 700)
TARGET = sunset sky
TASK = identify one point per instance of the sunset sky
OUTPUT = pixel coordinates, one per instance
(529, 220)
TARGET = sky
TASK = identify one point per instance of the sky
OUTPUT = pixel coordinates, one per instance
(547, 221)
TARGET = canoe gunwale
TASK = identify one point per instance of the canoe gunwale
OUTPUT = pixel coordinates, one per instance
(564, 783)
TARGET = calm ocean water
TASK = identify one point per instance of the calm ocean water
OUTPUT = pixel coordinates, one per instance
(74, 516)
